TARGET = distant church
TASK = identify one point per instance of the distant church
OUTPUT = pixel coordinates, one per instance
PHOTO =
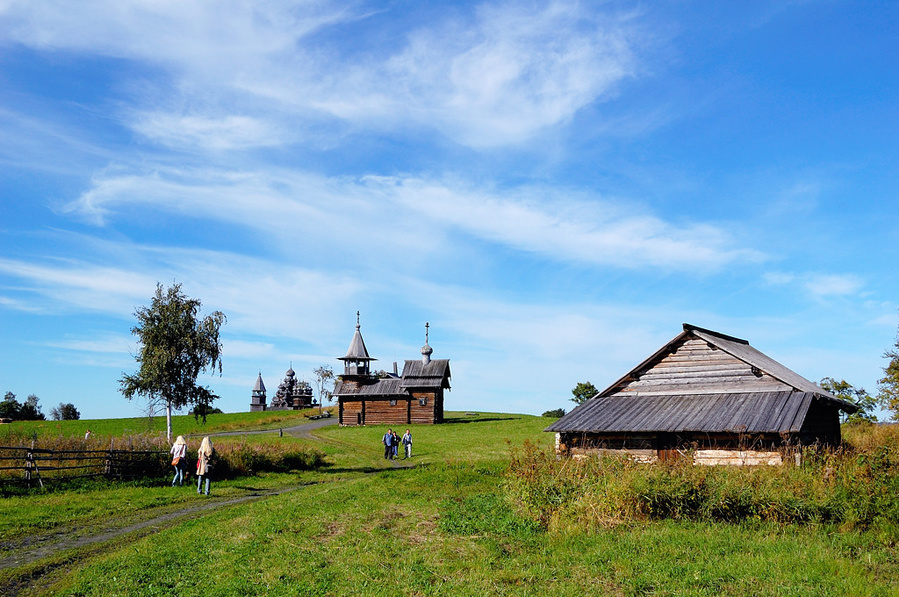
(292, 394)
(366, 398)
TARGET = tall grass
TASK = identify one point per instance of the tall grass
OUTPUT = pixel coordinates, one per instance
(236, 457)
(854, 488)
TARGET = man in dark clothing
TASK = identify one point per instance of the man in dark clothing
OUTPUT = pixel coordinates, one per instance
(396, 444)
(387, 440)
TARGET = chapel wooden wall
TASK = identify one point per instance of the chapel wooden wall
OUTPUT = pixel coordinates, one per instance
(422, 408)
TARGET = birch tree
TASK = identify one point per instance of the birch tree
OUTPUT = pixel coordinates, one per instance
(176, 345)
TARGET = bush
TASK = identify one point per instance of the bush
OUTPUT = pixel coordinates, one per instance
(854, 487)
(241, 460)
(556, 413)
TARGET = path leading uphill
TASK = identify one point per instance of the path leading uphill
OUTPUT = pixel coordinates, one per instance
(63, 548)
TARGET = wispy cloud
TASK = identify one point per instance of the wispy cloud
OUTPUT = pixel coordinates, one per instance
(74, 284)
(495, 75)
(180, 131)
(494, 78)
(115, 344)
(557, 225)
(259, 297)
(819, 285)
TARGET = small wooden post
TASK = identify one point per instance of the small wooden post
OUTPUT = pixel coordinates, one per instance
(31, 465)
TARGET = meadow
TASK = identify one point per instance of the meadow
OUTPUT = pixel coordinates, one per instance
(457, 519)
(104, 430)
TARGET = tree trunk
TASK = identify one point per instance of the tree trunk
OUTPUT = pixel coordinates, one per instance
(168, 421)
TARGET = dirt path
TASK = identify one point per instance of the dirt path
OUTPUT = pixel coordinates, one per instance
(63, 548)
(303, 431)
(37, 548)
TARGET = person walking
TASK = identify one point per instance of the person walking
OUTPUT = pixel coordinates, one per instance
(387, 440)
(204, 463)
(396, 444)
(179, 460)
(407, 444)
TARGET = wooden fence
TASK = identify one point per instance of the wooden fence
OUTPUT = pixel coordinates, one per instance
(36, 466)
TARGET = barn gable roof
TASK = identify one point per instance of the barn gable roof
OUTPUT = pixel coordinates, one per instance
(687, 385)
(737, 348)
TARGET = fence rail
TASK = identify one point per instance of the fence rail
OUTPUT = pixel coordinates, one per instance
(30, 466)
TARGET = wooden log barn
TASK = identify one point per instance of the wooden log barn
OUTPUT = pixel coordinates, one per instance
(415, 396)
(707, 396)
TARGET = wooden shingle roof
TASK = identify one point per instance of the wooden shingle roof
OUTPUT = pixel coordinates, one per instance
(433, 374)
(749, 412)
(357, 350)
(702, 381)
(388, 386)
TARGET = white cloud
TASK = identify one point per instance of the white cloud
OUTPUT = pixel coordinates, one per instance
(498, 78)
(579, 229)
(571, 228)
(819, 285)
(496, 75)
(81, 285)
(259, 297)
(226, 133)
(824, 285)
(108, 344)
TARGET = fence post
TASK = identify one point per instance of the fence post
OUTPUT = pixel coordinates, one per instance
(31, 465)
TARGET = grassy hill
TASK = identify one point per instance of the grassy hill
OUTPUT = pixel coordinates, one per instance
(443, 526)
(181, 425)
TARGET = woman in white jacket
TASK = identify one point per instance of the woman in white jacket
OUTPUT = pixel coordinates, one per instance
(179, 460)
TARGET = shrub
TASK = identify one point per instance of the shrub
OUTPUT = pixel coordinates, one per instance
(852, 487)
(242, 459)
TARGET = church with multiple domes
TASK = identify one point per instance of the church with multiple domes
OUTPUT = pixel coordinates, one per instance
(292, 394)
(367, 397)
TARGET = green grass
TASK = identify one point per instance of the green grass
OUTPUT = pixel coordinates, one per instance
(449, 527)
(104, 429)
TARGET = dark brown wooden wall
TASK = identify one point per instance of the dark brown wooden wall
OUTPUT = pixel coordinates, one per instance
(381, 412)
(822, 424)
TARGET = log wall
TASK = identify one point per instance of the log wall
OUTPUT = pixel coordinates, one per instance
(380, 412)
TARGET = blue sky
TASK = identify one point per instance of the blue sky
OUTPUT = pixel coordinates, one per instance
(555, 186)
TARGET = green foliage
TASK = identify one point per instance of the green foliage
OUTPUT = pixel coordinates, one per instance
(175, 346)
(204, 410)
(65, 412)
(30, 410)
(864, 401)
(855, 489)
(583, 391)
(9, 408)
(323, 375)
(888, 385)
(555, 413)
